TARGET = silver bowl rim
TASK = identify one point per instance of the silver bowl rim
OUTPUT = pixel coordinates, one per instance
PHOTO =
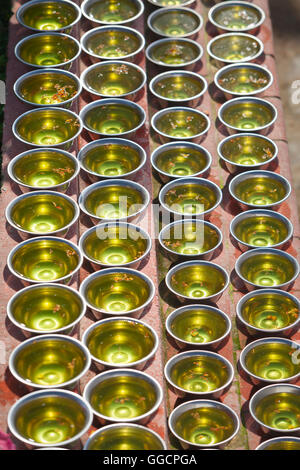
(194, 221)
(101, 29)
(226, 61)
(182, 9)
(233, 3)
(42, 286)
(261, 212)
(274, 251)
(106, 141)
(260, 292)
(129, 226)
(263, 173)
(56, 337)
(56, 393)
(10, 167)
(192, 263)
(27, 5)
(125, 319)
(42, 110)
(86, 3)
(61, 35)
(118, 182)
(173, 66)
(36, 240)
(186, 2)
(32, 194)
(274, 440)
(194, 75)
(198, 353)
(191, 180)
(124, 372)
(18, 83)
(181, 310)
(111, 62)
(85, 284)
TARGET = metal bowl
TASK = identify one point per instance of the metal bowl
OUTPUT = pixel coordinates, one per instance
(174, 53)
(280, 443)
(233, 48)
(237, 16)
(171, 3)
(110, 12)
(175, 22)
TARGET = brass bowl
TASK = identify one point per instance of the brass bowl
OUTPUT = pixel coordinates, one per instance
(113, 78)
(111, 12)
(175, 22)
(247, 114)
(114, 200)
(49, 417)
(49, 15)
(195, 280)
(112, 117)
(190, 197)
(241, 152)
(190, 239)
(51, 87)
(271, 360)
(120, 342)
(174, 53)
(260, 228)
(180, 123)
(269, 311)
(203, 424)
(50, 361)
(45, 259)
(280, 443)
(111, 158)
(233, 48)
(237, 16)
(43, 168)
(277, 408)
(45, 309)
(125, 437)
(42, 212)
(112, 43)
(244, 79)
(47, 127)
(198, 326)
(123, 396)
(115, 244)
(267, 267)
(117, 291)
(171, 3)
(200, 373)
(259, 189)
(179, 160)
(178, 86)
(48, 50)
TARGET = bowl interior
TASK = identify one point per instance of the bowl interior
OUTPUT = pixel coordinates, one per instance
(44, 169)
(175, 23)
(115, 245)
(172, 52)
(270, 311)
(261, 230)
(47, 127)
(248, 115)
(50, 419)
(181, 124)
(190, 238)
(48, 88)
(50, 362)
(198, 281)
(46, 308)
(286, 444)
(111, 11)
(114, 79)
(244, 79)
(117, 292)
(45, 260)
(235, 48)
(112, 160)
(112, 44)
(198, 326)
(177, 87)
(267, 269)
(49, 16)
(42, 213)
(237, 17)
(170, 3)
(123, 397)
(248, 150)
(181, 161)
(260, 190)
(120, 342)
(190, 198)
(125, 438)
(48, 50)
(112, 119)
(280, 411)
